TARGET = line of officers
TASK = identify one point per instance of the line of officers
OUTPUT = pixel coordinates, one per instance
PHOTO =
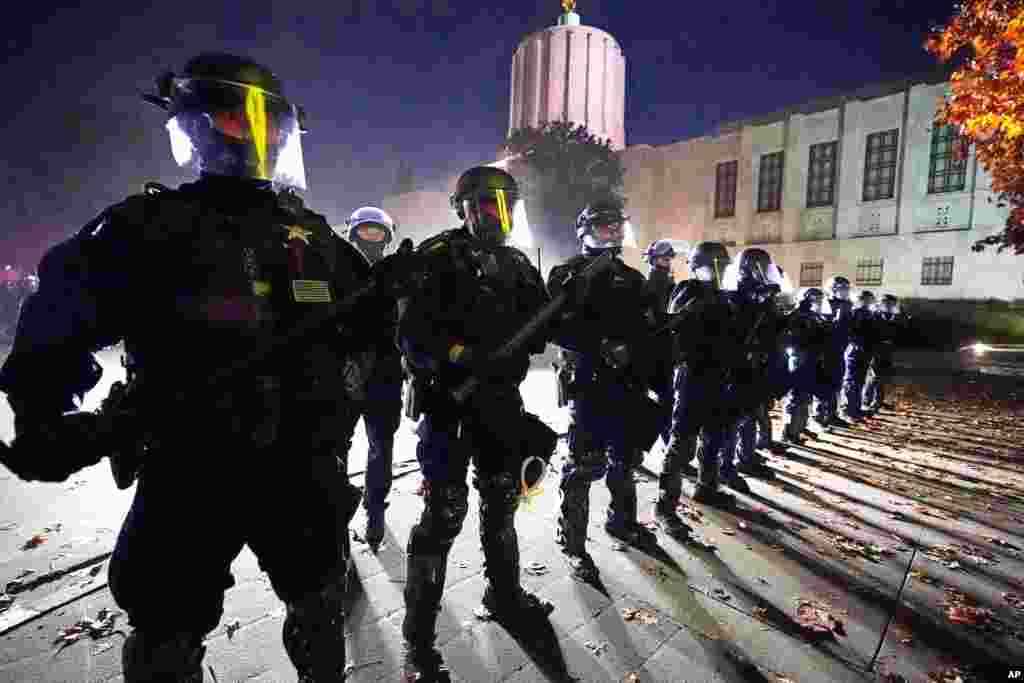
(256, 337)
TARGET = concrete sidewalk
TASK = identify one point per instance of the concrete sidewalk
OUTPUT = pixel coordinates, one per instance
(828, 542)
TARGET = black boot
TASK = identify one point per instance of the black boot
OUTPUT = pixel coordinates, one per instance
(622, 523)
(504, 598)
(174, 659)
(668, 519)
(713, 496)
(573, 519)
(424, 584)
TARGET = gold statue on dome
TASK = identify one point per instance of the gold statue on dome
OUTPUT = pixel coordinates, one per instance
(569, 5)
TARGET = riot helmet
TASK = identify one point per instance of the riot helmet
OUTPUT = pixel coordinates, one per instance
(485, 198)
(812, 299)
(707, 262)
(865, 299)
(227, 116)
(601, 225)
(890, 305)
(660, 254)
(371, 230)
(838, 287)
(753, 268)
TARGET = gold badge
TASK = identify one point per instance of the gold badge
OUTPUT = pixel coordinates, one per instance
(297, 232)
(311, 291)
(261, 288)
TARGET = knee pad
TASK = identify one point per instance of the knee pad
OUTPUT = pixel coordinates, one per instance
(314, 635)
(174, 658)
(499, 492)
(589, 465)
(446, 509)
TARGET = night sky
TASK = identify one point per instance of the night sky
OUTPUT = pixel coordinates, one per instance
(426, 81)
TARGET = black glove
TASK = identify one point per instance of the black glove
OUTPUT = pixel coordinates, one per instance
(615, 354)
(53, 451)
(395, 273)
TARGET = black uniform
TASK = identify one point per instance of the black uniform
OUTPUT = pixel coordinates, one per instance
(471, 294)
(611, 419)
(193, 280)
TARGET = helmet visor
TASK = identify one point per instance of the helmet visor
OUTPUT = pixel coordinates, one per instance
(237, 129)
(494, 214)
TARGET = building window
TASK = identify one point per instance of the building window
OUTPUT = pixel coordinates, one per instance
(769, 183)
(880, 165)
(937, 270)
(869, 273)
(811, 274)
(821, 175)
(725, 189)
(946, 172)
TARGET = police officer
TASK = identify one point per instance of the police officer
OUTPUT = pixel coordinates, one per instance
(222, 267)
(660, 283)
(474, 294)
(840, 311)
(863, 333)
(606, 329)
(891, 323)
(806, 340)
(704, 350)
(754, 283)
(372, 230)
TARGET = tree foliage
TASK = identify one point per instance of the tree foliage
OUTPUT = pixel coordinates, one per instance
(986, 101)
(560, 167)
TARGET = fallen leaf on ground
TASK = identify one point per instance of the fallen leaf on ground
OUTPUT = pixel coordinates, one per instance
(642, 615)
(100, 627)
(923, 578)
(949, 676)
(817, 619)
(34, 542)
(971, 616)
(232, 628)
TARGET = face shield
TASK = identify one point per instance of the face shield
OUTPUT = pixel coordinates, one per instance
(234, 129)
(521, 236)
(605, 234)
(490, 216)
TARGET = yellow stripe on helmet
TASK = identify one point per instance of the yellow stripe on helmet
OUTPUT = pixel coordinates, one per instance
(256, 113)
(504, 215)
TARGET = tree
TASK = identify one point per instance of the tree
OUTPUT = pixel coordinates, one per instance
(560, 167)
(987, 99)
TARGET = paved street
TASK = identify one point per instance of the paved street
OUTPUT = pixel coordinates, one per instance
(796, 588)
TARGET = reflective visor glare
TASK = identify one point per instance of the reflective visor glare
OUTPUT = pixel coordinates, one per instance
(498, 207)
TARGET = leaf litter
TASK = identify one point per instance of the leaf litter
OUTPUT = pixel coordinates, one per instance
(100, 627)
(640, 615)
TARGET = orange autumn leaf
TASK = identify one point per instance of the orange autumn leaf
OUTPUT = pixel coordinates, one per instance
(986, 99)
